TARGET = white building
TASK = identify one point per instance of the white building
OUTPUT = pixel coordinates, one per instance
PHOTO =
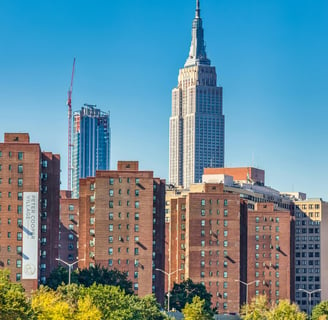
(197, 122)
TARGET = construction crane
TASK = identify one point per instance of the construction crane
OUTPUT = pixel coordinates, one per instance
(69, 103)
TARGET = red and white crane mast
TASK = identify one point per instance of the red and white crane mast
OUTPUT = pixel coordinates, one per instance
(69, 104)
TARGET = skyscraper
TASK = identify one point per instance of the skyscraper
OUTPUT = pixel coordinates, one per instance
(91, 144)
(197, 122)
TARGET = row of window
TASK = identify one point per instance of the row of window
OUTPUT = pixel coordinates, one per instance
(225, 212)
(120, 180)
(136, 251)
(136, 216)
(304, 238)
(19, 194)
(20, 155)
(203, 202)
(257, 228)
(264, 255)
(10, 168)
(128, 202)
(257, 219)
(136, 193)
(307, 270)
(307, 254)
(10, 180)
(19, 222)
(119, 226)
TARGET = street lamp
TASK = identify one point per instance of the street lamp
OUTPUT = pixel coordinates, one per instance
(247, 284)
(309, 293)
(70, 265)
(168, 284)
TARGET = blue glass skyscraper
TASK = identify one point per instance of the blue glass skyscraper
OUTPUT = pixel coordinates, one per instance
(91, 144)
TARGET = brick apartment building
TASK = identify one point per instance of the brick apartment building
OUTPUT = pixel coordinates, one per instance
(270, 253)
(204, 240)
(68, 227)
(121, 225)
(29, 207)
(216, 240)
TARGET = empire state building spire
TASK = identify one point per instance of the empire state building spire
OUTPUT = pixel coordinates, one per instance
(197, 53)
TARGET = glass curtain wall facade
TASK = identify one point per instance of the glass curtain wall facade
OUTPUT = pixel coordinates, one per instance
(91, 144)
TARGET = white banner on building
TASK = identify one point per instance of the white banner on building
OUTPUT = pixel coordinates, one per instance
(30, 235)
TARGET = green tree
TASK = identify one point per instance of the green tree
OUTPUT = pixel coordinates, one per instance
(320, 310)
(57, 277)
(184, 292)
(256, 310)
(49, 304)
(147, 308)
(286, 311)
(102, 275)
(88, 277)
(14, 304)
(196, 310)
(260, 309)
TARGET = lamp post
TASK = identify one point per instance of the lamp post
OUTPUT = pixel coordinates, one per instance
(247, 284)
(168, 284)
(70, 265)
(309, 293)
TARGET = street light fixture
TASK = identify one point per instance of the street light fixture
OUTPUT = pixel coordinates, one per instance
(70, 265)
(247, 284)
(168, 284)
(309, 293)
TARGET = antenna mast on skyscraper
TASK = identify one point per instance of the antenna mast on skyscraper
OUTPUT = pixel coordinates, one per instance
(69, 103)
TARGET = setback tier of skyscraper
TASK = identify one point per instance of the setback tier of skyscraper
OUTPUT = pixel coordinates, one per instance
(197, 122)
(91, 144)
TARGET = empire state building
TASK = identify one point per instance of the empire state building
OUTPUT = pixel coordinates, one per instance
(197, 122)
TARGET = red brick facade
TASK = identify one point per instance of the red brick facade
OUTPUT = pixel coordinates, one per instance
(122, 224)
(24, 168)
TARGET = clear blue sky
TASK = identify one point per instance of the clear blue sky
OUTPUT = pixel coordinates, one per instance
(271, 59)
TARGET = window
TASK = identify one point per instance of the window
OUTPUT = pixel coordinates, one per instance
(19, 195)
(20, 168)
(111, 192)
(225, 202)
(111, 181)
(136, 251)
(92, 221)
(110, 227)
(110, 251)
(111, 216)
(19, 236)
(203, 202)
(110, 239)
(19, 249)
(19, 222)
(44, 163)
(18, 276)
(136, 193)
(136, 227)
(71, 236)
(71, 207)
(202, 223)
(20, 182)
(225, 274)
(136, 204)
(111, 204)
(9, 167)
(70, 227)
